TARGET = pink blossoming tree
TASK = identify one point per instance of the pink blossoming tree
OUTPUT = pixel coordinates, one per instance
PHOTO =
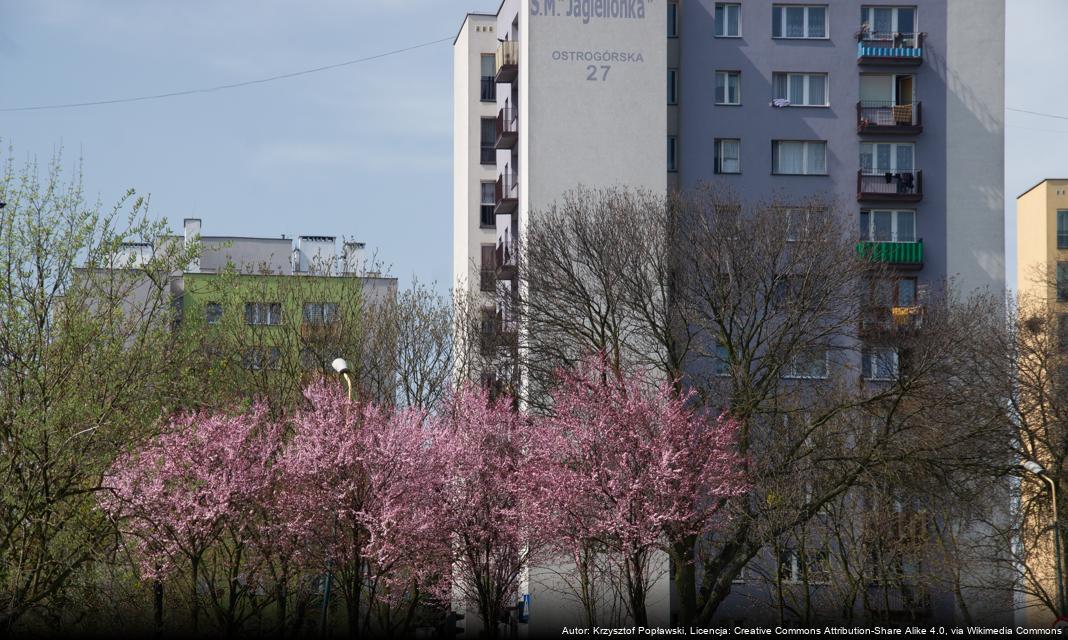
(191, 495)
(626, 468)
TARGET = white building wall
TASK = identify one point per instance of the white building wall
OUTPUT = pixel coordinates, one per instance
(476, 37)
(975, 140)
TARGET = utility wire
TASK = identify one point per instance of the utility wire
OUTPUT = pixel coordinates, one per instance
(221, 87)
(1037, 113)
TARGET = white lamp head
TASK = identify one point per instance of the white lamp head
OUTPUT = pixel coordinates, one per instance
(341, 365)
(1033, 467)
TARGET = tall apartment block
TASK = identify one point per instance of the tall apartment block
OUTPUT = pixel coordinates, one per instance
(1042, 279)
(892, 111)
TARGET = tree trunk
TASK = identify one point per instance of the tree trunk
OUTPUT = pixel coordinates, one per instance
(157, 605)
(636, 588)
(685, 581)
(194, 602)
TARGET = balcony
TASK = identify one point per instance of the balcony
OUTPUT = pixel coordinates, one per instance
(886, 323)
(507, 61)
(505, 263)
(889, 118)
(507, 329)
(889, 186)
(506, 194)
(507, 128)
(885, 48)
(905, 255)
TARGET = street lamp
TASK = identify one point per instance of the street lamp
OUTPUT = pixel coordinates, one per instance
(340, 365)
(1037, 470)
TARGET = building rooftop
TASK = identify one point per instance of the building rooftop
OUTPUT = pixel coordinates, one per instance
(1039, 184)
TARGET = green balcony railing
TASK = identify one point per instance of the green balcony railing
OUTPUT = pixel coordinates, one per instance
(910, 253)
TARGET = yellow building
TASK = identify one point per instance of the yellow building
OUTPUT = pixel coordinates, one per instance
(1042, 242)
(1042, 284)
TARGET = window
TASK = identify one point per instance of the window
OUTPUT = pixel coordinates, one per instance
(878, 225)
(812, 566)
(800, 89)
(263, 313)
(320, 313)
(673, 86)
(1062, 282)
(796, 21)
(489, 82)
(487, 278)
(1062, 331)
(728, 20)
(800, 222)
(213, 313)
(728, 156)
(799, 158)
(722, 365)
(893, 292)
(808, 364)
(673, 19)
(489, 135)
(487, 203)
(889, 157)
(256, 359)
(728, 87)
(1062, 229)
(881, 23)
(672, 153)
(879, 364)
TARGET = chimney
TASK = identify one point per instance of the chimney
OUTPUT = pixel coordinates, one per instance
(352, 258)
(192, 234)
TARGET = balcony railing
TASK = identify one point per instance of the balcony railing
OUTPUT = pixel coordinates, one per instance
(507, 193)
(886, 48)
(875, 116)
(889, 186)
(505, 263)
(901, 254)
(507, 127)
(507, 61)
(488, 92)
(887, 322)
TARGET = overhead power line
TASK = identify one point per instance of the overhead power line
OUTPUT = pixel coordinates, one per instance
(1037, 113)
(221, 87)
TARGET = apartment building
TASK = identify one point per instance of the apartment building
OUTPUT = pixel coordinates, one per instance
(891, 111)
(1042, 280)
(275, 298)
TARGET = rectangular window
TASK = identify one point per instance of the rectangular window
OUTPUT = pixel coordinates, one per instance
(488, 88)
(1062, 331)
(809, 364)
(213, 313)
(672, 154)
(728, 155)
(791, 157)
(673, 86)
(320, 313)
(1062, 282)
(673, 19)
(800, 89)
(728, 87)
(487, 202)
(880, 225)
(893, 292)
(879, 364)
(888, 157)
(1062, 229)
(728, 20)
(256, 359)
(487, 279)
(263, 313)
(722, 365)
(802, 222)
(797, 21)
(884, 23)
(488, 139)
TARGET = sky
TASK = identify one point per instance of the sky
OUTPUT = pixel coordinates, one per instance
(363, 150)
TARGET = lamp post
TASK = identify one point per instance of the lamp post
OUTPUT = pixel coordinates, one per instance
(1037, 470)
(342, 367)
